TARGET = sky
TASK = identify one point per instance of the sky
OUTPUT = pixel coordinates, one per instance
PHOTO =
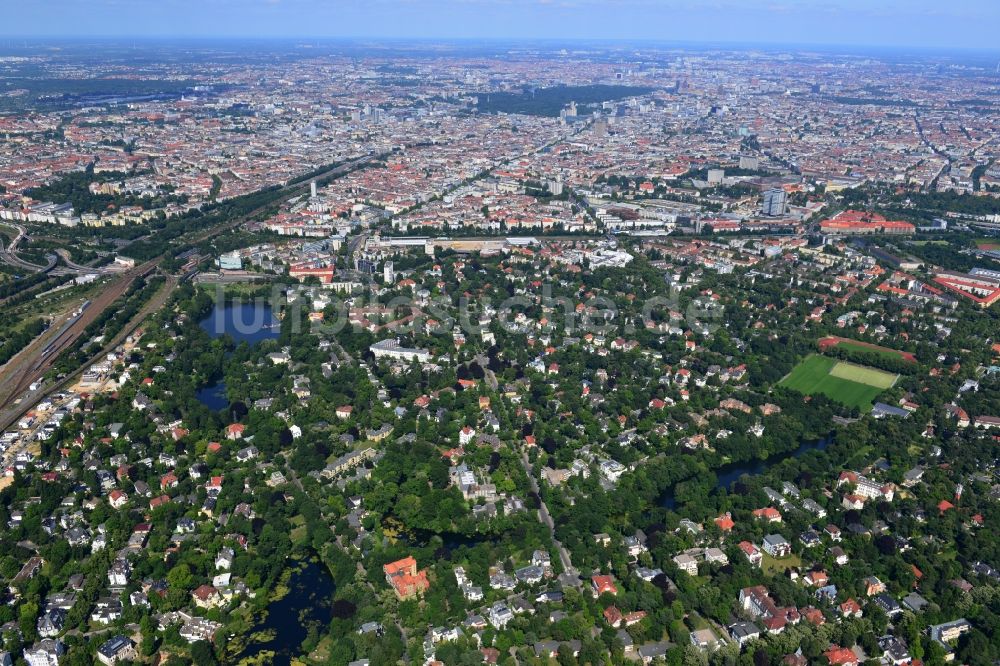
(968, 24)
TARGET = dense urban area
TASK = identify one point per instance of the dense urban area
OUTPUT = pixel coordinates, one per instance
(450, 354)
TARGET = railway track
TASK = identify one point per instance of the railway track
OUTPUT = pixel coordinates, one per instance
(72, 330)
(12, 413)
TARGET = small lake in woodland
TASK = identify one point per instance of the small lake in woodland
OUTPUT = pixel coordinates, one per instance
(213, 396)
(728, 474)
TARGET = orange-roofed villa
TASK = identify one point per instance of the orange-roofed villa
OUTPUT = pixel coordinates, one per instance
(405, 579)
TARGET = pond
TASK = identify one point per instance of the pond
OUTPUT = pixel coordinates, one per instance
(213, 396)
(730, 473)
(450, 541)
(244, 322)
(309, 602)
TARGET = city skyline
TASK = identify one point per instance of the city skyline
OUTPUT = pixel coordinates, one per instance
(961, 25)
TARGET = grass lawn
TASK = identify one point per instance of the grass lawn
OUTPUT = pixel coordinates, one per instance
(699, 581)
(863, 375)
(238, 288)
(697, 622)
(859, 457)
(816, 374)
(8, 233)
(322, 652)
(832, 341)
(773, 567)
(299, 531)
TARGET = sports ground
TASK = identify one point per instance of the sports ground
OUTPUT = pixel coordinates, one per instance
(847, 383)
(857, 346)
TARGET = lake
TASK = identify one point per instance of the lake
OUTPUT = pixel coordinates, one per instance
(309, 602)
(730, 473)
(213, 396)
(244, 322)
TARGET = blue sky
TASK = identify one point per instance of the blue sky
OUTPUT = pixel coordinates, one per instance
(926, 23)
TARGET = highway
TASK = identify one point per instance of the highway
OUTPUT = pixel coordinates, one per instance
(82, 268)
(9, 254)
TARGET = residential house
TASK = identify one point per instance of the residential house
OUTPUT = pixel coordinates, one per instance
(776, 546)
(44, 653)
(603, 584)
(840, 656)
(744, 632)
(686, 563)
(752, 553)
(206, 596)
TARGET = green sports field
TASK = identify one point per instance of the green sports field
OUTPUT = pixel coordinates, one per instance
(847, 383)
(863, 375)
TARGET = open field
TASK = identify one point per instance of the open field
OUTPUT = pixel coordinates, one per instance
(848, 384)
(857, 346)
(862, 375)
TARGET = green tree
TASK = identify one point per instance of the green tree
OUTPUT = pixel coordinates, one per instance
(180, 577)
(202, 654)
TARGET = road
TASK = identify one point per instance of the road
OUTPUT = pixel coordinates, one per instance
(83, 268)
(937, 151)
(491, 377)
(354, 243)
(344, 358)
(9, 254)
(546, 519)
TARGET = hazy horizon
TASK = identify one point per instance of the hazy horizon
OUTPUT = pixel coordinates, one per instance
(907, 24)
